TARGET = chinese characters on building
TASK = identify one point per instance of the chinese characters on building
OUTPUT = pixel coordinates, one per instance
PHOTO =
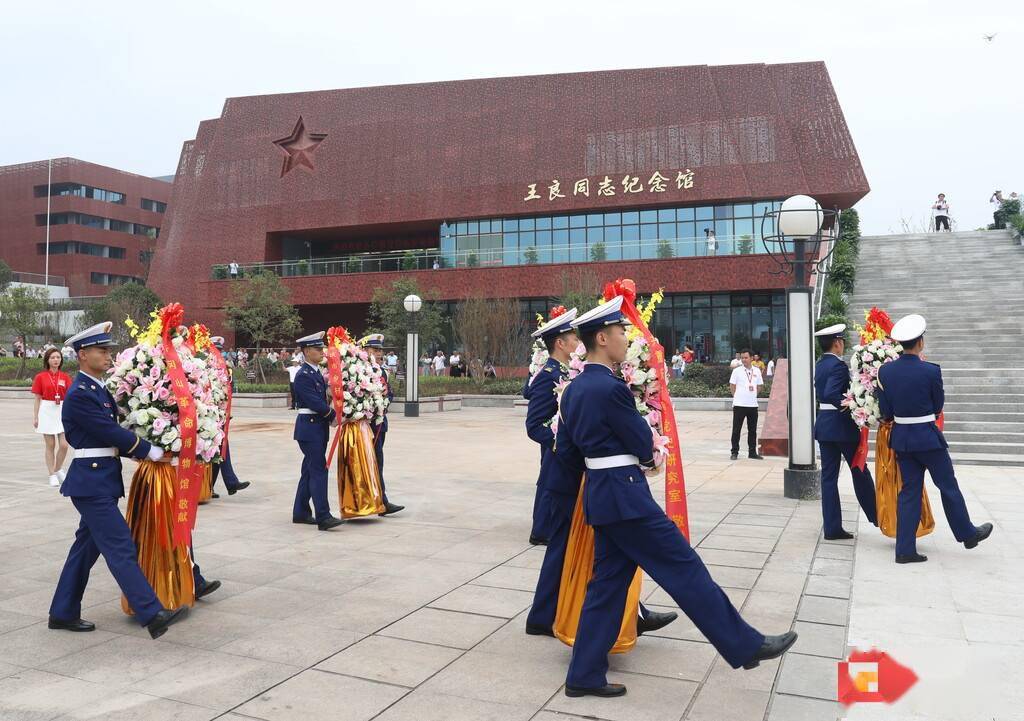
(657, 183)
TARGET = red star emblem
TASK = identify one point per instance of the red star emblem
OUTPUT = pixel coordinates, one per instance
(299, 147)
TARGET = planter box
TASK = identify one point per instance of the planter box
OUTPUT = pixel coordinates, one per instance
(10, 392)
(259, 400)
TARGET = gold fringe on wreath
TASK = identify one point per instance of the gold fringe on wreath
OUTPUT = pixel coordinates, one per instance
(577, 571)
(206, 492)
(888, 483)
(150, 513)
(359, 491)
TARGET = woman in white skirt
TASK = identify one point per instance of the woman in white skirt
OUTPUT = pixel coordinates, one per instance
(50, 388)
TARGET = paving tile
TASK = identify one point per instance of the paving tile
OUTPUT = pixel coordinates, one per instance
(834, 586)
(819, 609)
(36, 645)
(446, 628)
(131, 706)
(668, 657)
(122, 661)
(349, 699)
(390, 660)
(832, 567)
(34, 695)
(741, 559)
(737, 543)
(733, 577)
(511, 680)
(796, 708)
(425, 706)
(723, 703)
(647, 697)
(292, 643)
(501, 602)
(810, 676)
(514, 577)
(819, 639)
(842, 553)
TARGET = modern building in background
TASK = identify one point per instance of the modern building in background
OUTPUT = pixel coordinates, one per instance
(104, 223)
(515, 187)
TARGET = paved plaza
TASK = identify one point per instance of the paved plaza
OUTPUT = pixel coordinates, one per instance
(421, 616)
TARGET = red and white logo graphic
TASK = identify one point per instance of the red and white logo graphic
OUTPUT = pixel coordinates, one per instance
(872, 676)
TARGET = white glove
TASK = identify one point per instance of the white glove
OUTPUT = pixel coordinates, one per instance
(155, 453)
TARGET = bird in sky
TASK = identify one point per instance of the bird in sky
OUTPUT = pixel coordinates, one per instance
(988, 38)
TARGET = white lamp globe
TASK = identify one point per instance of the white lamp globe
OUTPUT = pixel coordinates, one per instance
(412, 303)
(800, 217)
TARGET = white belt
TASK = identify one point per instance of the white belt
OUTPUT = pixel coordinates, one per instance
(612, 462)
(910, 421)
(827, 407)
(95, 453)
(307, 412)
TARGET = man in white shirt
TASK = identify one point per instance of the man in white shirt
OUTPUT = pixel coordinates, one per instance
(453, 363)
(439, 363)
(392, 363)
(677, 364)
(744, 382)
(233, 269)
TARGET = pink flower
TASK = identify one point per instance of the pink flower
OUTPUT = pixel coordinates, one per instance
(654, 417)
(162, 393)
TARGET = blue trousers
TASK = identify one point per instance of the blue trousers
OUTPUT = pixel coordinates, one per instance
(541, 514)
(378, 451)
(545, 598)
(908, 505)
(225, 467)
(197, 576)
(656, 545)
(312, 482)
(102, 531)
(832, 454)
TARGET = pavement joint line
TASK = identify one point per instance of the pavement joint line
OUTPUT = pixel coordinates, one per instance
(363, 678)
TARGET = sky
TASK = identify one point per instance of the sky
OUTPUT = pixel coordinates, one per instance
(931, 105)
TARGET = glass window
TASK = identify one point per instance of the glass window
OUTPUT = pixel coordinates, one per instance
(473, 227)
(666, 231)
(462, 228)
(703, 340)
(682, 328)
(760, 330)
(446, 230)
(613, 242)
(578, 245)
(740, 300)
(543, 223)
(684, 213)
(743, 210)
(667, 215)
(613, 218)
(595, 235)
(723, 211)
(721, 299)
(543, 240)
(510, 226)
(526, 224)
(701, 300)
(778, 347)
(648, 216)
(682, 301)
(594, 220)
(560, 221)
(761, 207)
(649, 241)
(560, 246)
(631, 218)
(741, 328)
(577, 221)
(778, 299)
(630, 241)
(686, 240)
(705, 212)
(722, 340)
(723, 231)
(467, 242)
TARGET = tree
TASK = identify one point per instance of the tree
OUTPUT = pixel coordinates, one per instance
(260, 308)
(580, 289)
(21, 310)
(6, 275)
(131, 300)
(491, 329)
(388, 315)
(598, 252)
(665, 249)
(745, 246)
(530, 255)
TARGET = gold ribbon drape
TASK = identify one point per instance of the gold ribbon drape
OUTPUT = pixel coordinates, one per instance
(577, 570)
(150, 515)
(359, 491)
(888, 483)
(206, 492)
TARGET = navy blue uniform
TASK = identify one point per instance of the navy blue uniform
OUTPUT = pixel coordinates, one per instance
(230, 477)
(599, 419)
(380, 434)
(838, 437)
(543, 404)
(94, 485)
(911, 388)
(312, 431)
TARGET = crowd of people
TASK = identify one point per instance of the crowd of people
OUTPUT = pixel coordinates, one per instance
(942, 214)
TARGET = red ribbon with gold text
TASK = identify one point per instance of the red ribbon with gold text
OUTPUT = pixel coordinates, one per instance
(336, 336)
(186, 492)
(675, 483)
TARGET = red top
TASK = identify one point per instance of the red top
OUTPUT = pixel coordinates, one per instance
(688, 356)
(51, 386)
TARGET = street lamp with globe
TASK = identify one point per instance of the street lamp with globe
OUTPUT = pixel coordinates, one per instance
(412, 304)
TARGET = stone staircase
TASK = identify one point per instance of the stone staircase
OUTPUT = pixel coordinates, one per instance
(970, 287)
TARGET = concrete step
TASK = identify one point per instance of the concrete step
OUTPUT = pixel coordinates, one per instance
(1001, 426)
(1013, 449)
(973, 459)
(988, 436)
(993, 407)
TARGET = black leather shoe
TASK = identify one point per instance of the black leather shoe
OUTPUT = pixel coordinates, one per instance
(330, 523)
(532, 630)
(912, 558)
(78, 626)
(984, 531)
(390, 508)
(158, 626)
(773, 647)
(214, 495)
(538, 541)
(240, 487)
(734, 456)
(306, 521)
(654, 620)
(607, 691)
(755, 456)
(206, 590)
(843, 535)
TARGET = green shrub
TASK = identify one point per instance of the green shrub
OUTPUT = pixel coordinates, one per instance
(843, 274)
(665, 249)
(220, 272)
(472, 260)
(261, 387)
(598, 252)
(17, 382)
(835, 301)
(530, 255)
(409, 260)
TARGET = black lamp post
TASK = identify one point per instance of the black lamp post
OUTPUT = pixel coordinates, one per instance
(793, 239)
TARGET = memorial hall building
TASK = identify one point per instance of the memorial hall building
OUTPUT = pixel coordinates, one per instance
(515, 188)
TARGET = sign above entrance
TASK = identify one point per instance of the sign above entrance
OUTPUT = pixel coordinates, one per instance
(657, 183)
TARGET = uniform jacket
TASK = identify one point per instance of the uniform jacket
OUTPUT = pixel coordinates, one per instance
(391, 396)
(598, 418)
(311, 392)
(831, 382)
(559, 473)
(89, 417)
(912, 387)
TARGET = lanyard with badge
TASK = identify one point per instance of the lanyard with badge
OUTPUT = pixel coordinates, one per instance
(750, 378)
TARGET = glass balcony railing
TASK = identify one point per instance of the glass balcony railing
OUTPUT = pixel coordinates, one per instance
(438, 258)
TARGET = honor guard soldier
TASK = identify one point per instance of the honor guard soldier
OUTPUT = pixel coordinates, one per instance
(374, 344)
(837, 434)
(559, 484)
(560, 340)
(312, 431)
(910, 393)
(598, 421)
(231, 481)
(94, 485)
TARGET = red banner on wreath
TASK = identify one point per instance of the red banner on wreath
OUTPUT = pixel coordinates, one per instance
(336, 335)
(186, 491)
(675, 483)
